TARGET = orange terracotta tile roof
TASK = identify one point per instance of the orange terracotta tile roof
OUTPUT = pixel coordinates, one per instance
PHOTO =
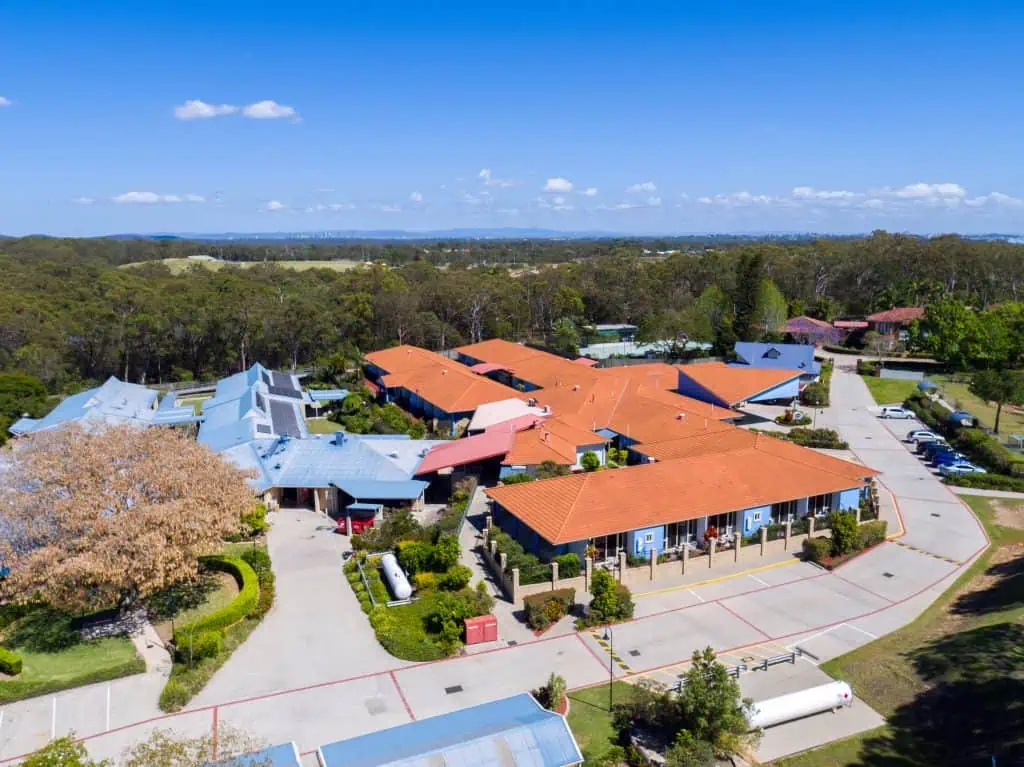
(451, 386)
(551, 439)
(400, 359)
(736, 384)
(583, 506)
(903, 314)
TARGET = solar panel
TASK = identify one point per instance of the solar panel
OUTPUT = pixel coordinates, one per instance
(282, 381)
(266, 379)
(283, 415)
(283, 392)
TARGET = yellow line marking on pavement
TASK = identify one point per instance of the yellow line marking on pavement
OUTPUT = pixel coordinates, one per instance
(719, 579)
(614, 655)
(927, 553)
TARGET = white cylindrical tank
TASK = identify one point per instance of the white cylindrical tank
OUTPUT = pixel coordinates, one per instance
(785, 708)
(395, 577)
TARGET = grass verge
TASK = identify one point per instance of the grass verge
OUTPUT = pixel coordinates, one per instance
(951, 683)
(889, 391)
(186, 679)
(958, 393)
(322, 426)
(55, 658)
(591, 721)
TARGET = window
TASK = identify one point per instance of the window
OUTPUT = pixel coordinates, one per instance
(784, 512)
(649, 538)
(756, 516)
(819, 505)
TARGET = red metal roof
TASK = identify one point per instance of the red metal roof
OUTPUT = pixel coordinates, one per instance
(796, 324)
(483, 368)
(459, 452)
(850, 324)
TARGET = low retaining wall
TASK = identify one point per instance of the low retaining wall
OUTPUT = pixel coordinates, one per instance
(653, 571)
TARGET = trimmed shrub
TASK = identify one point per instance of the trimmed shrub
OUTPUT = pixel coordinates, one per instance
(414, 556)
(844, 532)
(568, 565)
(364, 603)
(445, 554)
(425, 581)
(174, 696)
(821, 438)
(987, 482)
(815, 395)
(10, 662)
(456, 579)
(611, 601)
(206, 644)
(817, 549)
(544, 609)
(240, 606)
(871, 533)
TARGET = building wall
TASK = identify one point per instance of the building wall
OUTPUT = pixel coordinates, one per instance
(598, 450)
(756, 518)
(638, 545)
(787, 390)
(690, 388)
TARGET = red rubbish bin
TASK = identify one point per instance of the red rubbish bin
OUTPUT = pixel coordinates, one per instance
(481, 629)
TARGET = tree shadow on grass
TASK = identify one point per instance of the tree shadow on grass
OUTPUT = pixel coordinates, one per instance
(43, 631)
(174, 600)
(1006, 593)
(974, 710)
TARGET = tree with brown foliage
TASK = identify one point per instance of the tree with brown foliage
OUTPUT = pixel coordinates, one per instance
(102, 518)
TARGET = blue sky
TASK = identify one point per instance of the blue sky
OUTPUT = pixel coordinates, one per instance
(631, 116)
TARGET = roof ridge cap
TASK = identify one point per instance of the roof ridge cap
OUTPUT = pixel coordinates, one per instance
(572, 508)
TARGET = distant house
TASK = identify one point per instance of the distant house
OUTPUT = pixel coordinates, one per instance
(113, 403)
(894, 322)
(615, 332)
(809, 330)
(514, 731)
(779, 357)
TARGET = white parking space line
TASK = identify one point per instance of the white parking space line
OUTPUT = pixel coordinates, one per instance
(754, 577)
(812, 636)
(695, 595)
(862, 631)
(107, 729)
(53, 719)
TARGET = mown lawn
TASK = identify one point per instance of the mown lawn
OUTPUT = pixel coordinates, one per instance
(322, 426)
(951, 684)
(188, 602)
(55, 658)
(958, 394)
(591, 721)
(889, 391)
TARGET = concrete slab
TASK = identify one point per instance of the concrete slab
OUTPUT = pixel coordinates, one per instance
(894, 572)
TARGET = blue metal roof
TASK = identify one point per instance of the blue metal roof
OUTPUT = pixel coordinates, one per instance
(327, 395)
(513, 731)
(283, 755)
(382, 490)
(778, 356)
(114, 402)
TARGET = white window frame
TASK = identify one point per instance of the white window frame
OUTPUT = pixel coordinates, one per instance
(648, 537)
(756, 516)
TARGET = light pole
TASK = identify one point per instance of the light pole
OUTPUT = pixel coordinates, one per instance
(609, 637)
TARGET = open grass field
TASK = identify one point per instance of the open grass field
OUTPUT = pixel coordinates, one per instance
(951, 684)
(591, 721)
(889, 391)
(179, 265)
(322, 426)
(955, 391)
(54, 657)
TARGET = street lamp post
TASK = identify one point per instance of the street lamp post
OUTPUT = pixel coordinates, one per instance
(609, 637)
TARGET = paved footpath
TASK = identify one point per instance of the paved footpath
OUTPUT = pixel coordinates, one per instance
(313, 672)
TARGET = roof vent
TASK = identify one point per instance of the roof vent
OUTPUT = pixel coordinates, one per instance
(575, 387)
(680, 416)
(546, 410)
(444, 371)
(393, 454)
(531, 402)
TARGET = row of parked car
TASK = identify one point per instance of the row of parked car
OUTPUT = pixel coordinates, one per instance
(939, 453)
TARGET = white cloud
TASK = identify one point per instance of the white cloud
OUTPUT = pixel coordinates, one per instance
(487, 176)
(590, 191)
(83, 200)
(996, 199)
(738, 200)
(387, 208)
(194, 109)
(5, 102)
(653, 202)
(275, 205)
(508, 211)
(645, 187)
(810, 193)
(152, 198)
(470, 199)
(558, 184)
(339, 206)
(921, 190)
(269, 110)
(416, 197)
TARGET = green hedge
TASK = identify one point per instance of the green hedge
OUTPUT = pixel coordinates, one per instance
(18, 689)
(568, 565)
(871, 533)
(10, 662)
(987, 482)
(817, 549)
(236, 610)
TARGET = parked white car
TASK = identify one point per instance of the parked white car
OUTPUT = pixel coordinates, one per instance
(954, 469)
(895, 411)
(921, 435)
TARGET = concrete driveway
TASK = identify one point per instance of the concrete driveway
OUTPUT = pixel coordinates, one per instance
(314, 672)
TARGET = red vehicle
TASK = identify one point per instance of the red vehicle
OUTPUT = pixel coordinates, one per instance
(358, 525)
